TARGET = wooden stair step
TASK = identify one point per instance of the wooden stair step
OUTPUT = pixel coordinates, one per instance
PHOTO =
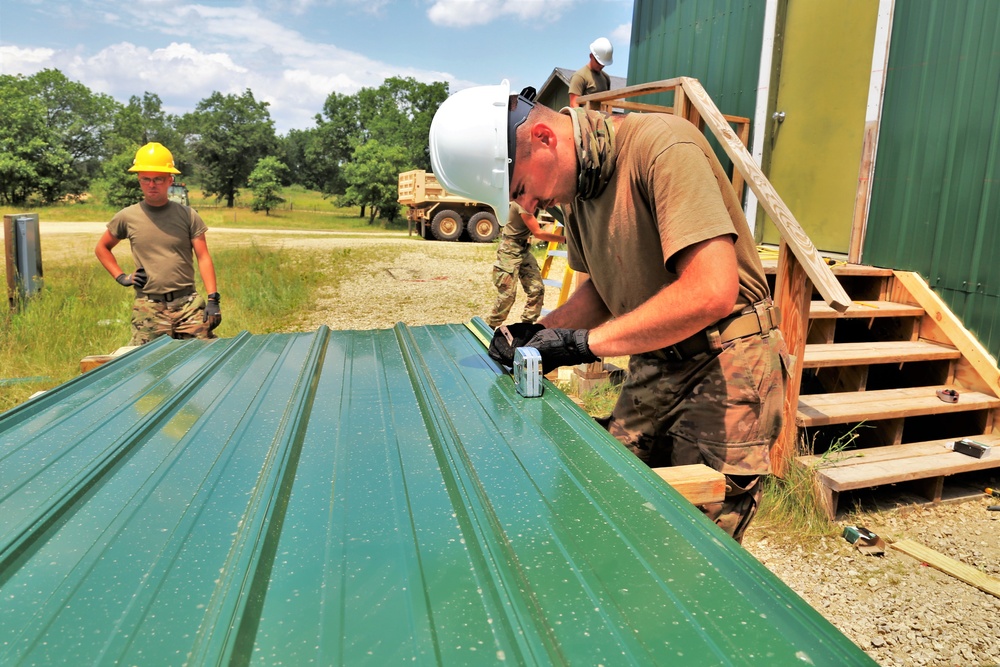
(822, 355)
(924, 464)
(857, 406)
(819, 310)
(873, 466)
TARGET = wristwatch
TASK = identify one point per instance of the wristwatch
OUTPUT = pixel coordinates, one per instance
(214, 296)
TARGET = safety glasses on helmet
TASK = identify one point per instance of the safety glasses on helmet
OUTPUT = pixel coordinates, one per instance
(518, 108)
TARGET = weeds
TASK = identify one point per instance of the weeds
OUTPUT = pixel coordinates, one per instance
(81, 311)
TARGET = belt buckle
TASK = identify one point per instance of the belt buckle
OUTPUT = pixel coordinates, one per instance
(762, 310)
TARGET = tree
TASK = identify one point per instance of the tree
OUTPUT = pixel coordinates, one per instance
(229, 135)
(81, 120)
(372, 176)
(397, 113)
(265, 183)
(120, 187)
(33, 161)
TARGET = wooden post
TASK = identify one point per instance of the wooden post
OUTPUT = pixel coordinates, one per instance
(793, 292)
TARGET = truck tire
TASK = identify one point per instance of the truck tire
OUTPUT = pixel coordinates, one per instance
(447, 225)
(483, 227)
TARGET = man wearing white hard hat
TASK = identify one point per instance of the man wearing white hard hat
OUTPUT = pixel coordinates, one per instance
(675, 280)
(591, 78)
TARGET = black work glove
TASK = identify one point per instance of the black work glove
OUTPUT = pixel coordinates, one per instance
(212, 314)
(511, 336)
(562, 347)
(137, 279)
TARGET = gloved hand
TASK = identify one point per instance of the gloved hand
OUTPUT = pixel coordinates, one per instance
(510, 336)
(137, 279)
(562, 347)
(212, 315)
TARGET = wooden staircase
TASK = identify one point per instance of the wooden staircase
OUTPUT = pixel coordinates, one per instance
(868, 405)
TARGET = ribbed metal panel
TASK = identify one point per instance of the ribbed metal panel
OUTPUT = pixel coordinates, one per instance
(936, 190)
(717, 42)
(354, 498)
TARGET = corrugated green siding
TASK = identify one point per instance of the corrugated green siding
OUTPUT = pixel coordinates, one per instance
(935, 203)
(717, 42)
(359, 498)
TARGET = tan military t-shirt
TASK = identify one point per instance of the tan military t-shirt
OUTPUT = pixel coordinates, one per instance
(586, 81)
(160, 237)
(515, 227)
(668, 192)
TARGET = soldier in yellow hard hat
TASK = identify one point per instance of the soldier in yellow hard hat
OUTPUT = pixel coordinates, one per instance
(165, 237)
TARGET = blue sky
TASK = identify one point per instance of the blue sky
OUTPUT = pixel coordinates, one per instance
(294, 53)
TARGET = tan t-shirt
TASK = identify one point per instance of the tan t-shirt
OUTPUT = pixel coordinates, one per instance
(586, 81)
(160, 237)
(668, 192)
(515, 227)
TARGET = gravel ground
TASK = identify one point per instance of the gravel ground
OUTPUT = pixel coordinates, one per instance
(900, 611)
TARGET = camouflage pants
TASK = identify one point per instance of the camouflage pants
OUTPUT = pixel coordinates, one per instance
(723, 410)
(182, 318)
(514, 259)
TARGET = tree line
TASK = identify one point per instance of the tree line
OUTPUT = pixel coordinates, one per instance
(59, 139)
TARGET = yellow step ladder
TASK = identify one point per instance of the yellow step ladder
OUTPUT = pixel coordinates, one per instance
(565, 285)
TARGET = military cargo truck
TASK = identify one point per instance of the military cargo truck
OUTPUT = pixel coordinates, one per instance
(433, 212)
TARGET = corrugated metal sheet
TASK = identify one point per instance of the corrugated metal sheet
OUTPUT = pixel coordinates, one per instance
(717, 42)
(935, 195)
(351, 498)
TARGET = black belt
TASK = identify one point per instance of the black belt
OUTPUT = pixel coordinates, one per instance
(169, 296)
(758, 319)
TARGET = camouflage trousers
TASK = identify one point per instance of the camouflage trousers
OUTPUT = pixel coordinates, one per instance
(723, 410)
(181, 318)
(514, 259)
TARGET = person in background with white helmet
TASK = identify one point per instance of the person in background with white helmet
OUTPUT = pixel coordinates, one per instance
(164, 237)
(591, 78)
(674, 278)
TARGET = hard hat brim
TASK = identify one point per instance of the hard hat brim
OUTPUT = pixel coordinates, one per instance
(147, 167)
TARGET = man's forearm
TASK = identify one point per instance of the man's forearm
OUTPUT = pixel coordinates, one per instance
(583, 310)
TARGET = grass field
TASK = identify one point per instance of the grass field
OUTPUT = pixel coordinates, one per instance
(303, 210)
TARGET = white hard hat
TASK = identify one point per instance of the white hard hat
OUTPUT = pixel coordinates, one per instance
(471, 142)
(601, 49)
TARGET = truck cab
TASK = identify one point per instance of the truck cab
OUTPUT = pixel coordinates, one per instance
(178, 192)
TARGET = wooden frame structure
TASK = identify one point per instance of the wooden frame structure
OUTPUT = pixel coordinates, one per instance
(800, 267)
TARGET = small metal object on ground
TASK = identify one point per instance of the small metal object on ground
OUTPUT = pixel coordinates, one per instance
(976, 450)
(865, 540)
(528, 372)
(948, 395)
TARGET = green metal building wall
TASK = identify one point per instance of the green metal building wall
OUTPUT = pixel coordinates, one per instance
(717, 42)
(935, 196)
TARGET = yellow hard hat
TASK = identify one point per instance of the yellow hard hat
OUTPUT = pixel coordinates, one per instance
(154, 157)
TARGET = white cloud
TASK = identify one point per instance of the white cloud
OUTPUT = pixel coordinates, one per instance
(464, 13)
(15, 60)
(622, 35)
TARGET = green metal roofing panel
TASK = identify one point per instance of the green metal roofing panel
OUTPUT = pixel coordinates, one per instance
(366, 497)
(935, 200)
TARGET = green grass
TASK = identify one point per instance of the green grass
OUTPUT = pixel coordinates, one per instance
(81, 312)
(305, 210)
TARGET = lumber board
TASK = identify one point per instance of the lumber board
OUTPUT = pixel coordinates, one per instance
(865, 455)
(876, 473)
(792, 295)
(875, 352)
(698, 483)
(791, 231)
(950, 566)
(972, 350)
(847, 407)
(818, 310)
(864, 270)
